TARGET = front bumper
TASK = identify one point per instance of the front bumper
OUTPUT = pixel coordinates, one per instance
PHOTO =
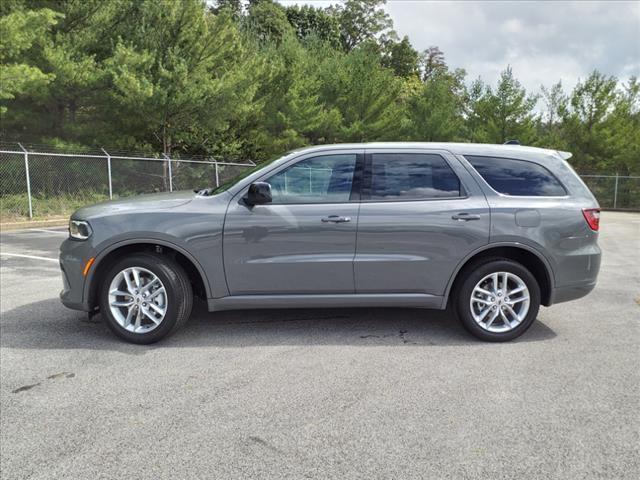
(73, 256)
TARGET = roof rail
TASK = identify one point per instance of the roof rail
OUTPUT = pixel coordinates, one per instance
(511, 142)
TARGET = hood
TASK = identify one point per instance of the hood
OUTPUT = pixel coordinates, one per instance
(154, 201)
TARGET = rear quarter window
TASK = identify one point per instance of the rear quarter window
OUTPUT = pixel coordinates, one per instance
(517, 177)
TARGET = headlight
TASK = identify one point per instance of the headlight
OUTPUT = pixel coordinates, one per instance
(79, 229)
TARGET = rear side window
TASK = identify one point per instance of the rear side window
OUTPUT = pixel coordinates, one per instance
(411, 176)
(517, 177)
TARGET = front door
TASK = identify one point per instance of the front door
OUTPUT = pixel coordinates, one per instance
(303, 242)
(421, 214)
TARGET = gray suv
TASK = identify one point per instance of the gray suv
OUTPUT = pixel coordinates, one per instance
(492, 231)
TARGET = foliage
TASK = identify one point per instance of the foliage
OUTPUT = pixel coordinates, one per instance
(365, 96)
(16, 207)
(360, 21)
(401, 57)
(244, 79)
(292, 114)
(20, 31)
(436, 110)
(268, 21)
(505, 113)
(588, 120)
(309, 22)
(432, 62)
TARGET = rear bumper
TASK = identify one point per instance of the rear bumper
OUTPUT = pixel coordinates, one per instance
(573, 292)
(577, 274)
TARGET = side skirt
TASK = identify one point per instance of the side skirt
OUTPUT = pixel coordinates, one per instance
(408, 300)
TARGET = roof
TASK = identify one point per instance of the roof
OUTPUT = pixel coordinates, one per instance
(481, 149)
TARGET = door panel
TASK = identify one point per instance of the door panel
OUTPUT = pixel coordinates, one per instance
(413, 246)
(295, 248)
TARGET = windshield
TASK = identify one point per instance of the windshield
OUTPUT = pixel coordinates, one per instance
(230, 183)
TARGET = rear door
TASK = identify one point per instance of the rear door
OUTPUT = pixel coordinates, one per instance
(421, 213)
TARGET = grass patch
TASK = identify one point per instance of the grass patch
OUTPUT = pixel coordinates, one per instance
(14, 208)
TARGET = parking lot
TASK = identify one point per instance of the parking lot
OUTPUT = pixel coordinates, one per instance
(354, 393)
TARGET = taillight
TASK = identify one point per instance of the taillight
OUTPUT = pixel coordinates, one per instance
(592, 216)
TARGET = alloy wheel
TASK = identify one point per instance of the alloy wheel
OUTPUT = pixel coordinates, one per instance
(137, 299)
(500, 302)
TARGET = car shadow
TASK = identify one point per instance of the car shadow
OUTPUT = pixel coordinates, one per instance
(48, 325)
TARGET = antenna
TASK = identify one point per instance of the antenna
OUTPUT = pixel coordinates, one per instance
(511, 142)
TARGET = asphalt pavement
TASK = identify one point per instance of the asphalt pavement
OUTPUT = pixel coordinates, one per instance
(322, 394)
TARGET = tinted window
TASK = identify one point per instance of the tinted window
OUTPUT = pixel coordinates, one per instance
(323, 179)
(411, 176)
(517, 177)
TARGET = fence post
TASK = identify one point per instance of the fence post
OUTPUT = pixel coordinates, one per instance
(615, 192)
(26, 171)
(170, 174)
(217, 177)
(109, 172)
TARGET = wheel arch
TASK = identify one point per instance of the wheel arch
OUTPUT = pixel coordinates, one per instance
(194, 270)
(529, 257)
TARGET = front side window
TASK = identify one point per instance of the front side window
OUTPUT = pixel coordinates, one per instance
(246, 172)
(412, 176)
(322, 179)
(517, 177)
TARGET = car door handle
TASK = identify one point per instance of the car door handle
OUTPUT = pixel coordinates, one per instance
(336, 219)
(465, 217)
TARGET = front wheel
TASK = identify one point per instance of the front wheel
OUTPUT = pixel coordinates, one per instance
(145, 297)
(498, 300)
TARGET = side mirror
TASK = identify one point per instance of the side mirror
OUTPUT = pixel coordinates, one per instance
(259, 193)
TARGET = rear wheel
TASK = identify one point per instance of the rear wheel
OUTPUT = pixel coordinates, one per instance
(498, 300)
(145, 297)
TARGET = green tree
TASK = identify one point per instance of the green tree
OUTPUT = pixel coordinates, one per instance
(401, 57)
(624, 153)
(436, 111)
(232, 7)
(625, 130)
(292, 114)
(20, 32)
(267, 20)
(365, 94)
(361, 21)
(248, 79)
(308, 21)
(187, 83)
(506, 114)
(587, 122)
(432, 62)
(82, 37)
(554, 102)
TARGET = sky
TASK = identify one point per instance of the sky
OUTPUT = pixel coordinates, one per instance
(543, 41)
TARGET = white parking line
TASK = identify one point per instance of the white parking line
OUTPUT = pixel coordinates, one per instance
(62, 232)
(35, 230)
(33, 257)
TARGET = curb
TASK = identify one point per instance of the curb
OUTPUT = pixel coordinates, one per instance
(56, 222)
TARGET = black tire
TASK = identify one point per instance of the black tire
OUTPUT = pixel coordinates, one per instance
(473, 274)
(178, 290)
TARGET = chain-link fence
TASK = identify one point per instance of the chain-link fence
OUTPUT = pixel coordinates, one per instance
(39, 183)
(615, 191)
